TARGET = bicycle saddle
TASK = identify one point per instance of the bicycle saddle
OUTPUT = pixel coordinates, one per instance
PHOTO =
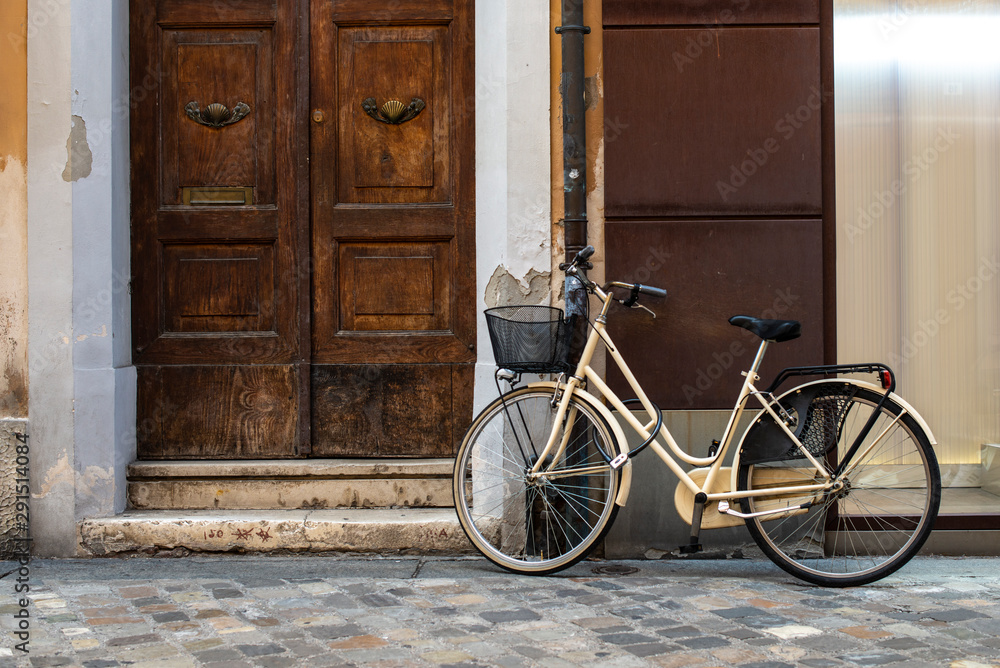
(770, 330)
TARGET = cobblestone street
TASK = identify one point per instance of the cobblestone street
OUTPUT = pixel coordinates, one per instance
(415, 611)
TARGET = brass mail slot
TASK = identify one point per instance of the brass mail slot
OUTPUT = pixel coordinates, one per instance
(218, 196)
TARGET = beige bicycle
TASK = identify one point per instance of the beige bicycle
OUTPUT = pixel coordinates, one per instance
(836, 479)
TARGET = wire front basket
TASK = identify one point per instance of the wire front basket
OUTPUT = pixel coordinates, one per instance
(529, 339)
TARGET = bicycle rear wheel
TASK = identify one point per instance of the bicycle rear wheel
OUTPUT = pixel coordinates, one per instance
(876, 520)
(542, 524)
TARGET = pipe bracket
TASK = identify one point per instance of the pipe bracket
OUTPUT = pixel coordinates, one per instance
(561, 29)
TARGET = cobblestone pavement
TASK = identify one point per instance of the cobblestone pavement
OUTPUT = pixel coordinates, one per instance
(333, 611)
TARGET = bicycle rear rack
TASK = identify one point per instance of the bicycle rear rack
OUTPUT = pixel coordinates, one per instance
(883, 372)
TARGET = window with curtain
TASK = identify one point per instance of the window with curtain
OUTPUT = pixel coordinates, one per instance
(918, 211)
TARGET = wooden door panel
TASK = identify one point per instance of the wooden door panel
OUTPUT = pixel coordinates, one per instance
(219, 287)
(392, 226)
(221, 66)
(371, 410)
(218, 178)
(399, 286)
(720, 185)
(218, 412)
(692, 144)
(383, 155)
(381, 162)
(709, 12)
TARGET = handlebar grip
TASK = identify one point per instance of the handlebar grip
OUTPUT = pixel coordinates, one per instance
(651, 291)
(584, 255)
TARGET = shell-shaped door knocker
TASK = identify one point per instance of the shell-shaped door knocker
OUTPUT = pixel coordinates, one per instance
(216, 115)
(393, 112)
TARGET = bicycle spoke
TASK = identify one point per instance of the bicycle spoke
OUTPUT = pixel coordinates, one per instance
(574, 506)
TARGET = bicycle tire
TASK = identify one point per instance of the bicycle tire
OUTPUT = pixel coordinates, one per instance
(875, 524)
(539, 526)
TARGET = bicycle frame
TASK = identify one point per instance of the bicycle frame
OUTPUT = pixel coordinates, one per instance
(585, 373)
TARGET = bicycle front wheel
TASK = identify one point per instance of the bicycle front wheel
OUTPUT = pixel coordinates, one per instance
(535, 524)
(875, 519)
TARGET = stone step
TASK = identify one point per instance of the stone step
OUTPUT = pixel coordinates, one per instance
(288, 484)
(374, 531)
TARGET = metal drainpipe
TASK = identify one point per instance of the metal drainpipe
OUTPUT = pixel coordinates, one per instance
(571, 87)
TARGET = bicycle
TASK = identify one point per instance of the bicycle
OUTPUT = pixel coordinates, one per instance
(835, 479)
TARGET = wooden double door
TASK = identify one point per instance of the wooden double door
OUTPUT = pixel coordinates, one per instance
(302, 227)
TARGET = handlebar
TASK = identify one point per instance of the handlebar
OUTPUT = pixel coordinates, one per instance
(580, 263)
(635, 289)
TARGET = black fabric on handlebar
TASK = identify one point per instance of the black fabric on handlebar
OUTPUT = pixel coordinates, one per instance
(651, 291)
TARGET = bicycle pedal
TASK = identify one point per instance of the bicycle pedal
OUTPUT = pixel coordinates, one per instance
(619, 461)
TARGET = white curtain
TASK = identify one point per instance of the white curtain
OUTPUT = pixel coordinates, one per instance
(918, 209)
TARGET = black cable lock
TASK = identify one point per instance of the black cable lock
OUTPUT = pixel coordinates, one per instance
(653, 433)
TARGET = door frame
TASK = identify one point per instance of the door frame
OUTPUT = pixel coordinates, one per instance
(100, 434)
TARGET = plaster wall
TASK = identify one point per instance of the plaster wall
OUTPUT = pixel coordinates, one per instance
(513, 201)
(14, 267)
(14, 213)
(50, 279)
(82, 391)
(98, 161)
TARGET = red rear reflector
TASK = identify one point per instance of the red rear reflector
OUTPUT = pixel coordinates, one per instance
(886, 379)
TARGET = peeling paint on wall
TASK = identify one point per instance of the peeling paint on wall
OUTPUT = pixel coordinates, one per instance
(12, 529)
(95, 492)
(591, 93)
(504, 290)
(61, 473)
(79, 157)
(13, 288)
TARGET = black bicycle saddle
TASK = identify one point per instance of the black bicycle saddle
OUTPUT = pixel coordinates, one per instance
(769, 330)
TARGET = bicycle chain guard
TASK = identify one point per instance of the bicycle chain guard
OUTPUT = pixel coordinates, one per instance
(711, 518)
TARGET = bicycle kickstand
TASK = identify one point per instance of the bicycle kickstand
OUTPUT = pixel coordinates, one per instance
(694, 544)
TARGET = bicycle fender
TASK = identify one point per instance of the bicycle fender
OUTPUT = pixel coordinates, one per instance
(626, 471)
(902, 402)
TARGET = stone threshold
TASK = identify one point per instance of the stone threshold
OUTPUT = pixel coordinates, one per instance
(312, 469)
(372, 531)
(290, 484)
